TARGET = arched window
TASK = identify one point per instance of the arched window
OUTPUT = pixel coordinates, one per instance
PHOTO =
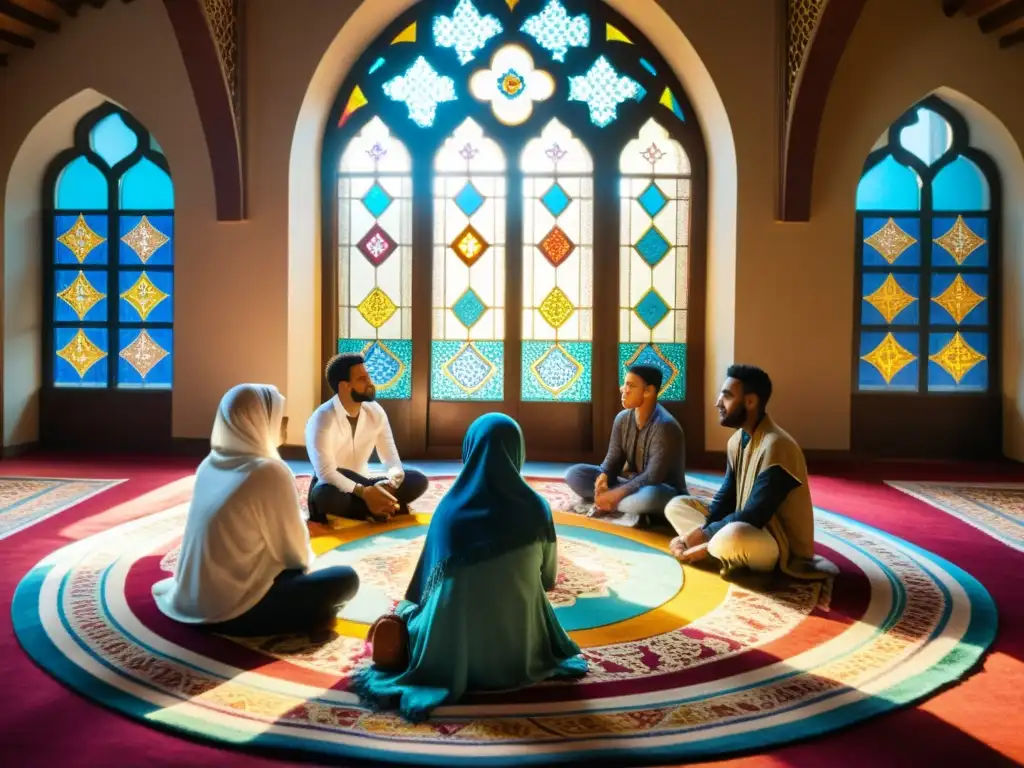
(927, 266)
(514, 196)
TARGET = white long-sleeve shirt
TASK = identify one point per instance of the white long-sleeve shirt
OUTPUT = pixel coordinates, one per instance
(331, 444)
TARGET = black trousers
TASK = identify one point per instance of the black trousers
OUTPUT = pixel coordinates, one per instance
(324, 499)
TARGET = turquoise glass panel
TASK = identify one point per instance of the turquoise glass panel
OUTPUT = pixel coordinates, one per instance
(910, 256)
(559, 372)
(63, 311)
(554, 30)
(148, 356)
(467, 371)
(960, 186)
(82, 186)
(64, 225)
(909, 315)
(889, 186)
(389, 362)
(161, 310)
(976, 282)
(974, 380)
(146, 186)
(670, 358)
(112, 140)
(147, 239)
(64, 374)
(977, 257)
(870, 379)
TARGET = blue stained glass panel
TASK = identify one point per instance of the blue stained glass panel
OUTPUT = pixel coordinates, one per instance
(976, 282)
(653, 247)
(556, 31)
(161, 311)
(910, 257)
(148, 356)
(651, 309)
(870, 379)
(648, 66)
(556, 200)
(943, 258)
(63, 255)
(464, 371)
(466, 31)
(81, 185)
(112, 140)
(909, 315)
(889, 186)
(960, 186)
(376, 65)
(469, 199)
(559, 373)
(974, 380)
(670, 358)
(389, 362)
(602, 89)
(469, 308)
(421, 89)
(377, 200)
(162, 256)
(146, 186)
(64, 374)
(63, 311)
(652, 200)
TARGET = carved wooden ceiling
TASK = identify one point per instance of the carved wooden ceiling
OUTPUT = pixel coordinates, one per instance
(1002, 19)
(23, 22)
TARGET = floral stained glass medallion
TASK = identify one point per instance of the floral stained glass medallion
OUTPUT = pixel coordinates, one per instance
(554, 30)
(80, 239)
(145, 358)
(466, 31)
(79, 294)
(512, 85)
(421, 89)
(603, 89)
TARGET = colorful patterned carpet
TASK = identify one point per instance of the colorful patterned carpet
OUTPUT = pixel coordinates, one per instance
(25, 501)
(994, 508)
(683, 665)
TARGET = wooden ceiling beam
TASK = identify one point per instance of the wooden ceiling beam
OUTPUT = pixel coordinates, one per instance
(25, 16)
(1007, 41)
(97, 3)
(1001, 17)
(952, 7)
(974, 8)
(70, 7)
(18, 40)
(3, 59)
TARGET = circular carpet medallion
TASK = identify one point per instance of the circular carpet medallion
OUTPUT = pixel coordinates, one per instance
(682, 664)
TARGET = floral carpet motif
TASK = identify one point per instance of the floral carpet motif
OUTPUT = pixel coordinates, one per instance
(995, 509)
(25, 501)
(696, 667)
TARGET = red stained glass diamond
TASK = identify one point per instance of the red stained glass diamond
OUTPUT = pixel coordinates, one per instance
(556, 246)
(376, 245)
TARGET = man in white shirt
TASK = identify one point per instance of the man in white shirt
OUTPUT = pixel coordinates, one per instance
(340, 438)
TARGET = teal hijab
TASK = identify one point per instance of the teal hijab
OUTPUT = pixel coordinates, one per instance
(489, 511)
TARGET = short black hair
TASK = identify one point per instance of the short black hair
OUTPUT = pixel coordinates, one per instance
(754, 380)
(339, 369)
(651, 374)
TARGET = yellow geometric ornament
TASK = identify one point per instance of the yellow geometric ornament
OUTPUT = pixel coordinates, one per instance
(81, 353)
(80, 239)
(960, 242)
(143, 354)
(616, 35)
(556, 308)
(890, 299)
(377, 308)
(144, 296)
(407, 35)
(145, 239)
(889, 358)
(511, 4)
(957, 358)
(890, 241)
(81, 296)
(959, 299)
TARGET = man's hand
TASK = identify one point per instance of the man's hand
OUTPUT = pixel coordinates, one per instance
(600, 485)
(379, 501)
(396, 476)
(691, 547)
(608, 501)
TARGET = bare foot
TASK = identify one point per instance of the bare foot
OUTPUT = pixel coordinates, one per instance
(677, 547)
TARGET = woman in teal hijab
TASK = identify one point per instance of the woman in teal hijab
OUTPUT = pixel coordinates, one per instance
(476, 609)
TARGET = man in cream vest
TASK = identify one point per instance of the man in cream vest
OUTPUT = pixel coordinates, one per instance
(340, 438)
(762, 516)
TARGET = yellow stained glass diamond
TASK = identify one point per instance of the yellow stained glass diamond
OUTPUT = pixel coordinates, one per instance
(145, 239)
(556, 308)
(80, 239)
(81, 295)
(890, 241)
(960, 242)
(81, 353)
(959, 299)
(889, 358)
(957, 358)
(377, 308)
(470, 245)
(144, 296)
(143, 353)
(890, 299)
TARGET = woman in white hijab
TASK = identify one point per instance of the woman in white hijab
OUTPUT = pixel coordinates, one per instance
(245, 554)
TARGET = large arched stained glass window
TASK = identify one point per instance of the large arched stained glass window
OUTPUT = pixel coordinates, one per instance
(110, 258)
(926, 261)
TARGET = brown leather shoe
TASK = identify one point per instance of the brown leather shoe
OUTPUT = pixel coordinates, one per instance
(390, 640)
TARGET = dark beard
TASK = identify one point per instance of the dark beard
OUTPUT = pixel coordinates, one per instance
(364, 397)
(737, 418)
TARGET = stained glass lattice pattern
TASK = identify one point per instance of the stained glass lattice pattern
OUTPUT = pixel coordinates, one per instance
(389, 363)
(467, 370)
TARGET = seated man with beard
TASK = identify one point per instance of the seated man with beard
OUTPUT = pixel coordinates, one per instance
(762, 515)
(340, 438)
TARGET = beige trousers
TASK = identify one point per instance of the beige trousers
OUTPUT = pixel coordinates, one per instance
(735, 545)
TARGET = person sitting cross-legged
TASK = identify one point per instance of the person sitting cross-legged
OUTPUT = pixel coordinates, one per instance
(761, 517)
(340, 438)
(646, 462)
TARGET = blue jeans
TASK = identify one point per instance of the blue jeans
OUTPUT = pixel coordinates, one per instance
(649, 500)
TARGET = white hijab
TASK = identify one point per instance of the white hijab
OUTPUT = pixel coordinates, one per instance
(244, 524)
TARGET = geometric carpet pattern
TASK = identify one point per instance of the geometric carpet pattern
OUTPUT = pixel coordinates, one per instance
(25, 501)
(682, 664)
